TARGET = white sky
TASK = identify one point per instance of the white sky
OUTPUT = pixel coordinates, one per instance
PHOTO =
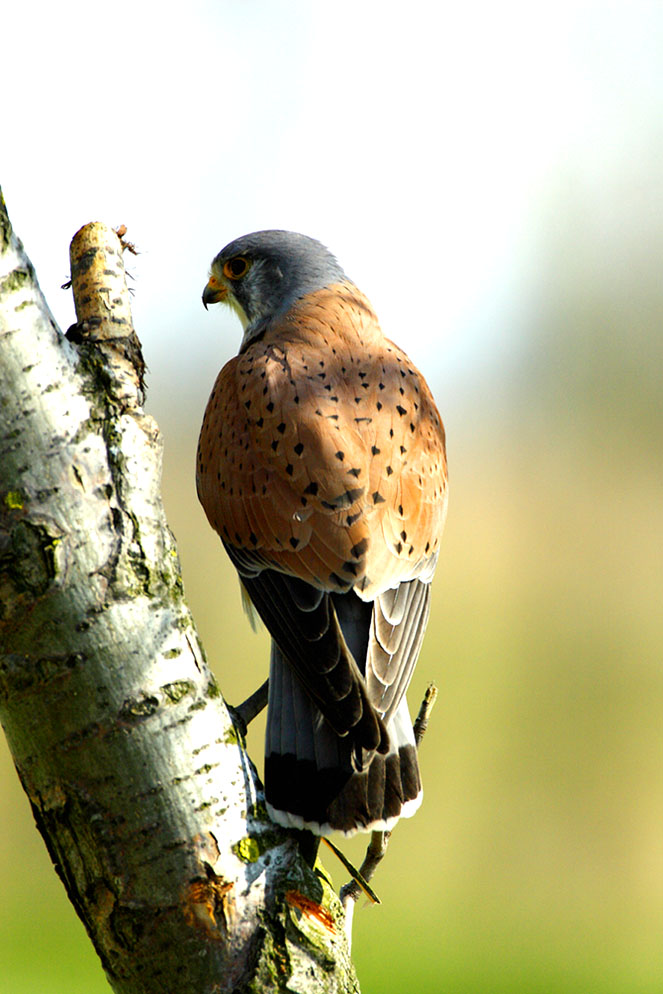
(419, 141)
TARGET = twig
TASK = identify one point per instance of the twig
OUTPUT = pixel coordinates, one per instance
(249, 709)
(361, 882)
(421, 721)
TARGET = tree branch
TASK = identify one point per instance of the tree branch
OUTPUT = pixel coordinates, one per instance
(149, 806)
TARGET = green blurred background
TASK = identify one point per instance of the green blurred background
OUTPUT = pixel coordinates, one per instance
(536, 862)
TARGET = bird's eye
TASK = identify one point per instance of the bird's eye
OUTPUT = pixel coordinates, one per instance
(235, 268)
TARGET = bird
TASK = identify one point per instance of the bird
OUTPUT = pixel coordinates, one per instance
(321, 464)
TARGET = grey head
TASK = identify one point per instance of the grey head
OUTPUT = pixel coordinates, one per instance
(262, 274)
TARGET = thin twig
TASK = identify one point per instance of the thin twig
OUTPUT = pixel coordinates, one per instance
(356, 875)
(249, 709)
(421, 721)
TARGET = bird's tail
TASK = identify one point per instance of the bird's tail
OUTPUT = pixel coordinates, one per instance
(311, 781)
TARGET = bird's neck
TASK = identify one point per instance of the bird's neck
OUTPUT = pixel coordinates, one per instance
(339, 311)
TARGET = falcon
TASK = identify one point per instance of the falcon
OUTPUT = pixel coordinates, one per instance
(321, 464)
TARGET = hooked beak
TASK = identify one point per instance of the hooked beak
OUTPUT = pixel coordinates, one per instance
(214, 291)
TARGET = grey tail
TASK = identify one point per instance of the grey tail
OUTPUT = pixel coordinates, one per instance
(312, 777)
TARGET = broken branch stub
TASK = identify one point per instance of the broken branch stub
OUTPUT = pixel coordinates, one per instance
(103, 310)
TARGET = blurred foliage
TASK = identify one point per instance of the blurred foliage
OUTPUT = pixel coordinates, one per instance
(536, 862)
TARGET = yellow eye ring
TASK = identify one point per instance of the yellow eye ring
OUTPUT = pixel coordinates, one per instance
(237, 267)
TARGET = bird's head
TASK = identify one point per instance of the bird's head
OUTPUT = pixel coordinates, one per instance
(262, 274)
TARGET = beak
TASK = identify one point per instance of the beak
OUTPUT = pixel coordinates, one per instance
(214, 291)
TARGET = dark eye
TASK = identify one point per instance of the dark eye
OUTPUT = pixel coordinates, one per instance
(235, 268)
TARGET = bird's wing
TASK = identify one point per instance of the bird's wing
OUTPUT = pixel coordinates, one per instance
(303, 622)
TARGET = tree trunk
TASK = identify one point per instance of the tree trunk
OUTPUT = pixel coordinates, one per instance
(139, 783)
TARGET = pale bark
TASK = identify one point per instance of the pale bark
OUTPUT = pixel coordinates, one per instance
(147, 801)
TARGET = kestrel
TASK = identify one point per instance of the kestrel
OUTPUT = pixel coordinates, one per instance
(321, 464)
